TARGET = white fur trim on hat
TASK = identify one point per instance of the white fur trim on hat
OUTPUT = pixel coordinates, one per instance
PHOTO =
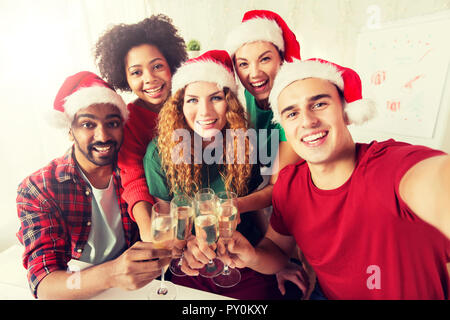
(203, 70)
(258, 29)
(360, 111)
(357, 112)
(83, 98)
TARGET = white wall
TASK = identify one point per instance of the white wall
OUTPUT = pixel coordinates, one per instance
(44, 41)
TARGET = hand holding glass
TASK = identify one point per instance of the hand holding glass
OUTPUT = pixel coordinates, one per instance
(228, 217)
(163, 230)
(182, 206)
(206, 228)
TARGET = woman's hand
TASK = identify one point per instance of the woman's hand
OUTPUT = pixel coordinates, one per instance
(196, 254)
(178, 247)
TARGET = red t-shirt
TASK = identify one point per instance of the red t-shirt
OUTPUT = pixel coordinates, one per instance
(361, 239)
(139, 130)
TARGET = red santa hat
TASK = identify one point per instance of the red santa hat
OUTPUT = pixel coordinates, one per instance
(264, 25)
(82, 90)
(357, 109)
(213, 66)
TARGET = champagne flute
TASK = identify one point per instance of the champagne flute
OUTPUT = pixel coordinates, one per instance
(206, 228)
(163, 230)
(182, 205)
(227, 214)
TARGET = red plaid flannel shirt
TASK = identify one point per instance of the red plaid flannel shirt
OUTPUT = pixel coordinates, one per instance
(54, 208)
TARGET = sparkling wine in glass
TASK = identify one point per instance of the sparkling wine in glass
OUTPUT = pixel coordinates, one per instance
(163, 232)
(206, 228)
(182, 205)
(227, 215)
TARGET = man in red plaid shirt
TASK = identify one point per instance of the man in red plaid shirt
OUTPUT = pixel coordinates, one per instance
(72, 208)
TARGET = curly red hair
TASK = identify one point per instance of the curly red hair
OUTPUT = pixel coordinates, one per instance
(185, 177)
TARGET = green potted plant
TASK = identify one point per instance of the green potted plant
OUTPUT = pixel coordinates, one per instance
(193, 48)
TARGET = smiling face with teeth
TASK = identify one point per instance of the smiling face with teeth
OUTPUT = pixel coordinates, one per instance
(148, 75)
(205, 108)
(313, 119)
(257, 63)
(97, 133)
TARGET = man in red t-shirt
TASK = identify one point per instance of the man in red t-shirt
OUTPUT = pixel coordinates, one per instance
(373, 220)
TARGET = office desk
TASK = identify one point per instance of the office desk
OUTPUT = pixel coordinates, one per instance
(14, 284)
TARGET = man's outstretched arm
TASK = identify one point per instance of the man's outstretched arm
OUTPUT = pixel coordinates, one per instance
(425, 188)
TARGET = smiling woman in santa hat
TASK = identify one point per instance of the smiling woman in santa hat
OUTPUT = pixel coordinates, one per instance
(140, 58)
(204, 106)
(258, 47)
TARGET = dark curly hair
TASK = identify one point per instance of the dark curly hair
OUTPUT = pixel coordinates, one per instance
(114, 44)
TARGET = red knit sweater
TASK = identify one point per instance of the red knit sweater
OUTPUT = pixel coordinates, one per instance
(139, 130)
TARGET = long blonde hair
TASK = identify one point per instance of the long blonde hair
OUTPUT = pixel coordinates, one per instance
(185, 177)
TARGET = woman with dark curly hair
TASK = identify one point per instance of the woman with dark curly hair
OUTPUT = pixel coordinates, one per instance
(205, 111)
(140, 58)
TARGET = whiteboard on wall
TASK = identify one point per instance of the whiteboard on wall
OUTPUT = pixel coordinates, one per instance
(404, 68)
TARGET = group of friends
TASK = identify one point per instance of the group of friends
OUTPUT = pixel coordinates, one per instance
(347, 220)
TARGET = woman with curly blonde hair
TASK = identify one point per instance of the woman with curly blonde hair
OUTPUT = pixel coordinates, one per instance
(203, 142)
(184, 177)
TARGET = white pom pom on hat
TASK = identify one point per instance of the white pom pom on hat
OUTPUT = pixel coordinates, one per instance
(79, 91)
(357, 109)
